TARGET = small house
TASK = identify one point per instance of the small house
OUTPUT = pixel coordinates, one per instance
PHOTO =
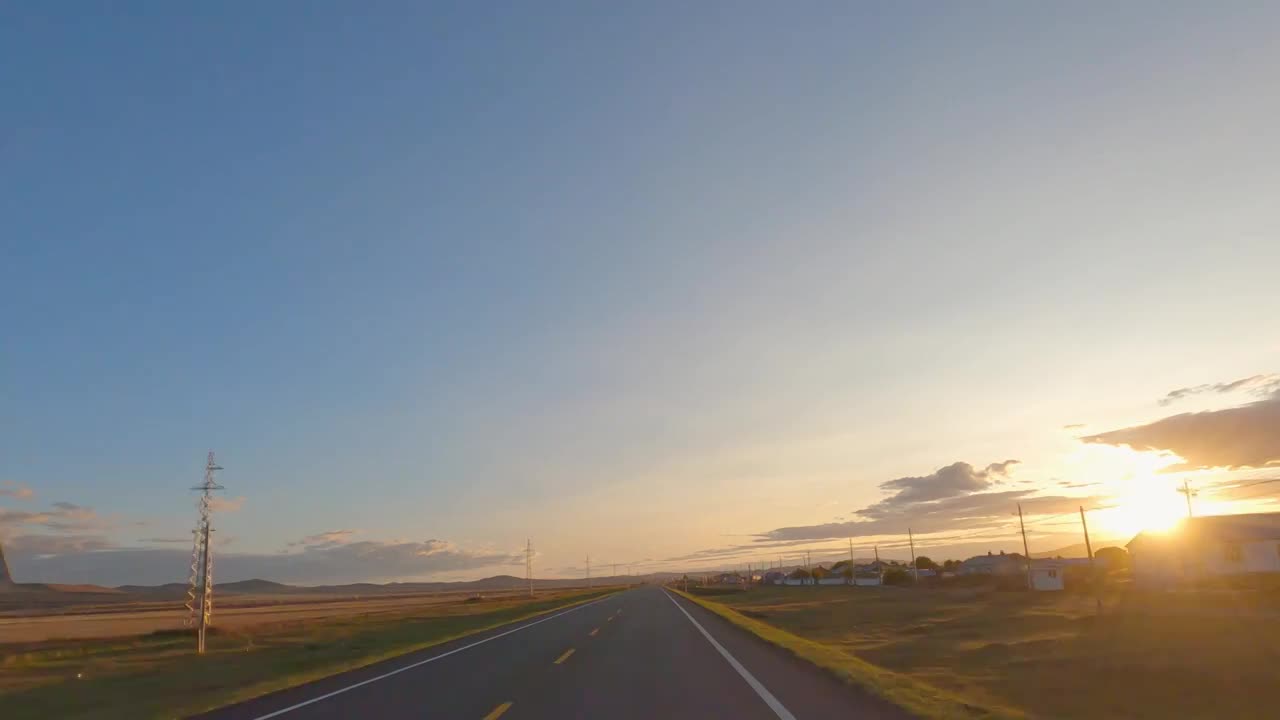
(1207, 547)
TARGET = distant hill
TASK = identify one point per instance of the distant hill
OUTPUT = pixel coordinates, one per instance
(257, 587)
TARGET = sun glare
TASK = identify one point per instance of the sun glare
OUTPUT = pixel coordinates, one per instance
(1139, 497)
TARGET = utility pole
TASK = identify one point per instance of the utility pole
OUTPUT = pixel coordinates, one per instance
(851, 577)
(1093, 568)
(915, 571)
(807, 567)
(879, 567)
(1186, 490)
(528, 564)
(1025, 548)
(200, 589)
(615, 570)
(588, 571)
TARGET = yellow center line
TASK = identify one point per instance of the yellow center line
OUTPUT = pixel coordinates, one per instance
(497, 712)
(565, 656)
(593, 632)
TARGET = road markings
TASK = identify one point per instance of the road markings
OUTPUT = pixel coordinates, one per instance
(593, 632)
(769, 699)
(420, 663)
(560, 660)
(497, 712)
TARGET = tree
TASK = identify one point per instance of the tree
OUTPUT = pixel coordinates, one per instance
(923, 562)
(799, 574)
(896, 576)
(1112, 558)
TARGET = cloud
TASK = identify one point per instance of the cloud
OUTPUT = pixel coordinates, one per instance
(92, 559)
(1244, 436)
(62, 517)
(40, 545)
(958, 478)
(8, 488)
(173, 540)
(325, 539)
(221, 504)
(1260, 385)
(966, 512)
(1073, 427)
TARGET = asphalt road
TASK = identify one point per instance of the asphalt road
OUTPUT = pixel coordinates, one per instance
(641, 654)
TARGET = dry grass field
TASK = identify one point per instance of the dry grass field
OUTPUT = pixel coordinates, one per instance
(123, 618)
(1050, 655)
(263, 644)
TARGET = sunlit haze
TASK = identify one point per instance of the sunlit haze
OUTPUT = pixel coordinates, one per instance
(681, 287)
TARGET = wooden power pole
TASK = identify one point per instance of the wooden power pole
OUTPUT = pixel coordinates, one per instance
(1093, 568)
(1025, 549)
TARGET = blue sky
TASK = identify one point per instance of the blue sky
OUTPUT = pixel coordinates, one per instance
(470, 275)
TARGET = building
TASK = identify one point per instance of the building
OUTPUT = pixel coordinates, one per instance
(1207, 547)
(990, 564)
(1049, 575)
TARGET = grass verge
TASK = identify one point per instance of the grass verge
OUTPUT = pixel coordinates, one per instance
(919, 698)
(158, 676)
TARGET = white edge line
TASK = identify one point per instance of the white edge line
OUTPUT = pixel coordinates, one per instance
(411, 666)
(777, 707)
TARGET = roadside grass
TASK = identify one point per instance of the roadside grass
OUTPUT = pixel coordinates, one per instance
(159, 676)
(917, 697)
(1044, 655)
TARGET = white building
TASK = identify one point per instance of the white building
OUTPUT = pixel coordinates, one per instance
(1207, 547)
(1048, 575)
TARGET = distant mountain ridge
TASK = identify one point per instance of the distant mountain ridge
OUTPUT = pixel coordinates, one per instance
(258, 586)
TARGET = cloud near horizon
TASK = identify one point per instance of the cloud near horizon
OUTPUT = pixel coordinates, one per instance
(68, 559)
(959, 478)
(17, 491)
(325, 539)
(1247, 436)
(954, 498)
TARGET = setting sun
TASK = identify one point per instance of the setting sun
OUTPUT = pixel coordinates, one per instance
(1154, 509)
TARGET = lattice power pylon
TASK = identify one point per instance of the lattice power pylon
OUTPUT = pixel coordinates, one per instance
(200, 589)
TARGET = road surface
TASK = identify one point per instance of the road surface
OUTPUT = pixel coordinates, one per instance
(641, 654)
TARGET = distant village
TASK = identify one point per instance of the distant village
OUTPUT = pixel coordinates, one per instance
(1198, 550)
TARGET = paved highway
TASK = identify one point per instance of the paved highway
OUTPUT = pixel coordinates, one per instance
(641, 654)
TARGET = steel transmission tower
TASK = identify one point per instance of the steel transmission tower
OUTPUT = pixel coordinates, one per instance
(200, 589)
(528, 564)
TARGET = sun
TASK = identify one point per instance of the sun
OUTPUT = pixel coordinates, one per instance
(1144, 506)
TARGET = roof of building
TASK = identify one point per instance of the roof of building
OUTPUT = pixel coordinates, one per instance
(1244, 527)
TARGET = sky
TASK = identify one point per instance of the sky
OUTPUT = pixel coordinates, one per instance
(670, 287)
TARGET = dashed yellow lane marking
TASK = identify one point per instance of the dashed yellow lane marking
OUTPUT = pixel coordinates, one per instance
(593, 632)
(565, 656)
(497, 712)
